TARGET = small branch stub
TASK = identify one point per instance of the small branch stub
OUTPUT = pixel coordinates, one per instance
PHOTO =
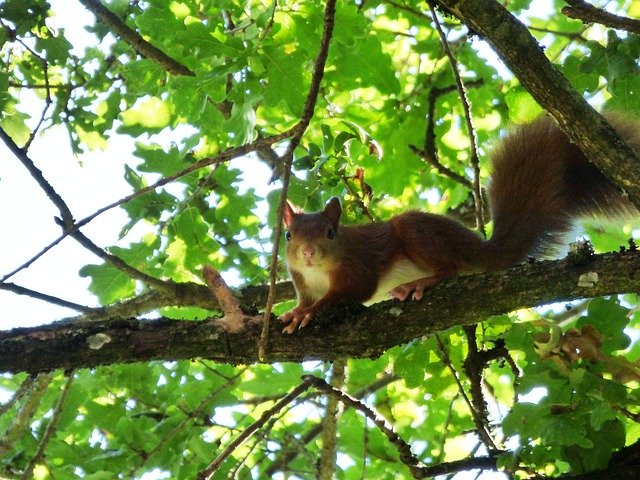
(234, 319)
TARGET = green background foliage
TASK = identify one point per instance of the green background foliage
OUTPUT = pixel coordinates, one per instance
(249, 67)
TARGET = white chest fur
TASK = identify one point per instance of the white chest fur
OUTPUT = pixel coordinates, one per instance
(316, 280)
(403, 271)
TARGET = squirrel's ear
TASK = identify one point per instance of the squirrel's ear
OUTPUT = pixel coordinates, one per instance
(290, 211)
(333, 209)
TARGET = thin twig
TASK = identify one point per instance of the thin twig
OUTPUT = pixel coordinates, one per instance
(327, 462)
(475, 162)
(361, 205)
(450, 468)
(208, 472)
(229, 382)
(404, 450)
(17, 289)
(139, 44)
(225, 156)
(48, 101)
(418, 470)
(407, 9)
(22, 419)
(289, 453)
(67, 222)
(37, 175)
(287, 159)
(50, 429)
(483, 433)
(17, 395)
(121, 265)
(429, 152)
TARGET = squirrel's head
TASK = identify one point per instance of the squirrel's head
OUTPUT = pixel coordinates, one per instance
(312, 238)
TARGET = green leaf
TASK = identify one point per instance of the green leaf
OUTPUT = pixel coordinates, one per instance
(411, 363)
(286, 75)
(149, 115)
(108, 283)
(354, 65)
(610, 319)
(564, 431)
(522, 107)
(56, 48)
(143, 77)
(525, 419)
(14, 123)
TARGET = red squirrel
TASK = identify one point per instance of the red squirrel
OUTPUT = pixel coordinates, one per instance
(540, 183)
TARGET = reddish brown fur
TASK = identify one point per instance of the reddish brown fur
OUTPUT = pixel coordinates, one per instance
(540, 183)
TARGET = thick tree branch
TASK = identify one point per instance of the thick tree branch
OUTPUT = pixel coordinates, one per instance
(341, 332)
(586, 12)
(184, 295)
(521, 53)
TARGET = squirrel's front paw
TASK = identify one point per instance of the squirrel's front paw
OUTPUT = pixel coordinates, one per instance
(297, 318)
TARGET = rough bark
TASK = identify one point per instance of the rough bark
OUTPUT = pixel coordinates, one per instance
(349, 331)
(519, 50)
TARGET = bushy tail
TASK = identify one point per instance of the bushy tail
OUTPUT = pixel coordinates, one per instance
(540, 183)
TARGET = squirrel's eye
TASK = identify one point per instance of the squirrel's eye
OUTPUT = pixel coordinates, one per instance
(287, 235)
(331, 233)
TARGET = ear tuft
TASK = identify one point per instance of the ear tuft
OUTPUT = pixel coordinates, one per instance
(290, 211)
(333, 210)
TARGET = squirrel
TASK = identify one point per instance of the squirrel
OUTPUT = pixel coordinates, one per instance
(540, 183)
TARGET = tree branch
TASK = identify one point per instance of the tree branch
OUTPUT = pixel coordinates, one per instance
(477, 409)
(586, 12)
(347, 331)
(21, 421)
(287, 160)
(404, 450)
(521, 53)
(50, 428)
(473, 147)
(67, 222)
(208, 472)
(17, 289)
(222, 157)
(333, 410)
(139, 44)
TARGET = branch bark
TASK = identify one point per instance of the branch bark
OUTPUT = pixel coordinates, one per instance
(347, 331)
(586, 12)
(139, 44)
(519, 50)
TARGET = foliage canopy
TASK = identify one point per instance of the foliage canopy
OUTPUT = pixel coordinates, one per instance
(213, 91)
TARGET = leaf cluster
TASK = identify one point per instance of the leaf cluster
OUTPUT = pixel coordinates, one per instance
(209, 95)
